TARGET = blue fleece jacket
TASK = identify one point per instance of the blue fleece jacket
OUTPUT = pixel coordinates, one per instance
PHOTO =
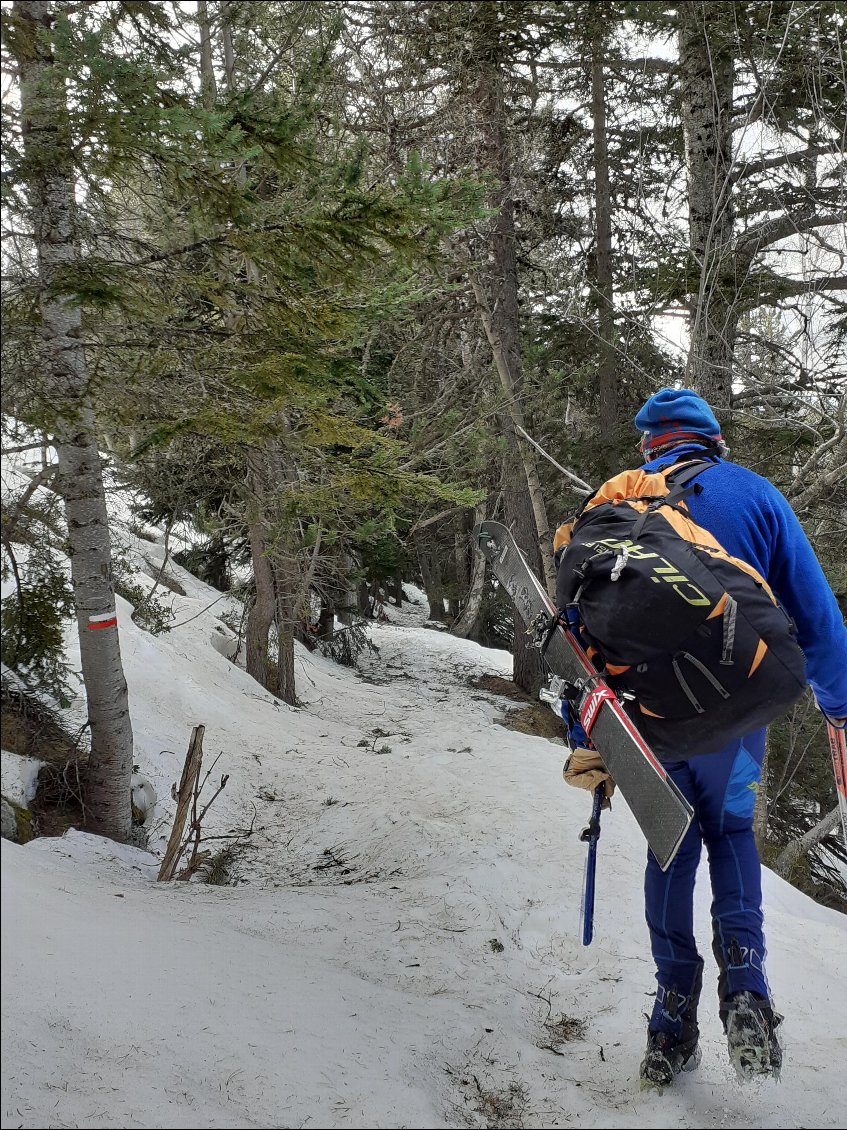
(754, 522)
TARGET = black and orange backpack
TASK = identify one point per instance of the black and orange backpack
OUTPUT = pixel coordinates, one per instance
(693, 639)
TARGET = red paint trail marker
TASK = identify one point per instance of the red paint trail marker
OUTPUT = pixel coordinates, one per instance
(102, 620)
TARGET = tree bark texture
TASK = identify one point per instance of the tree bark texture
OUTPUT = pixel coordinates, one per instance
(287, 622)
(208, 86)
(432, 580)
(706, 86)
(48, 152)
(263, 609)
(188, 782)
(605, 381)
(524, 452)
(276, 574)
(500, 311)
(465, 626)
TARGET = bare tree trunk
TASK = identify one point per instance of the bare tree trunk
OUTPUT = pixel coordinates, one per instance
(326, 620)
(397, 588)
(524, 504)
(208, 86)
(280, 598)
(226, 42)
(465, 626)
(706, 85)
(47, 144)
(605, 381)
(461, 544)
(527, 456)
(262, 611)
(285, 584)
(461, 566)
(788, 859)
(431, 576)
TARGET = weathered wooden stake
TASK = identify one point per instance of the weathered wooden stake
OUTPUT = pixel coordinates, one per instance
(187, 784)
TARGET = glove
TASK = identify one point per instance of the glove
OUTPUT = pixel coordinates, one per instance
(585, 770)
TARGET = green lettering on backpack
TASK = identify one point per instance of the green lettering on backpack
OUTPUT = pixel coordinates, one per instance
(698, 600)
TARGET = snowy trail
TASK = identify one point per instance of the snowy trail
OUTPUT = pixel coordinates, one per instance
(402, 947)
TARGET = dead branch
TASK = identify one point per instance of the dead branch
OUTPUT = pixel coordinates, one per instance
(188, 781)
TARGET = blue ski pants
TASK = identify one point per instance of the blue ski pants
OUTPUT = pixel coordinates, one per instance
(721, 788)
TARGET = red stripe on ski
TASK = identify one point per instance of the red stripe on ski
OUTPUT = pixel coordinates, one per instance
(838, 748)
(624, 718)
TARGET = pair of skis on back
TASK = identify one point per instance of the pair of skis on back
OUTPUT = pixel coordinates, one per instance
(660, 809)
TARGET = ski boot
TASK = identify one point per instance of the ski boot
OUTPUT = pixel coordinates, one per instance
(750, 1024)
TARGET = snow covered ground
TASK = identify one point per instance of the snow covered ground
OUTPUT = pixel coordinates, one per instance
(401, 947)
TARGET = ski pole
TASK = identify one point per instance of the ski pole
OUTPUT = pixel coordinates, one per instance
(591, 835)
(838, 748)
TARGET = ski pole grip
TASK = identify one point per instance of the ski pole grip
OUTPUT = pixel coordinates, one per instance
(592, 829)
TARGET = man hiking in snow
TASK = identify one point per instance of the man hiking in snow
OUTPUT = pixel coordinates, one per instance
(754, 523)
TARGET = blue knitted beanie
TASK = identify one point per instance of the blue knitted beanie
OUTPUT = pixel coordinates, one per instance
(674, 416)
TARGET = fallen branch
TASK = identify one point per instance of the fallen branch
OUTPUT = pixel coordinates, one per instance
(790, 856)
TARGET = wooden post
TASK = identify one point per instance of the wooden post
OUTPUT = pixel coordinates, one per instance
(190, 776)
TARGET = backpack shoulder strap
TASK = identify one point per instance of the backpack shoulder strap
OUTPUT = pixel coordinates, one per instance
(681, 475)
(680, 481)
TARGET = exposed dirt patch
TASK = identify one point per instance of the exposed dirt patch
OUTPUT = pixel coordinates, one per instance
(497, 684)
(58, 804)
(30, 729)
(536, 720)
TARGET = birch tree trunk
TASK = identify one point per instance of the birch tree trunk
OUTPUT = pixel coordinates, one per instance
(706, 85)
(48, 149)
